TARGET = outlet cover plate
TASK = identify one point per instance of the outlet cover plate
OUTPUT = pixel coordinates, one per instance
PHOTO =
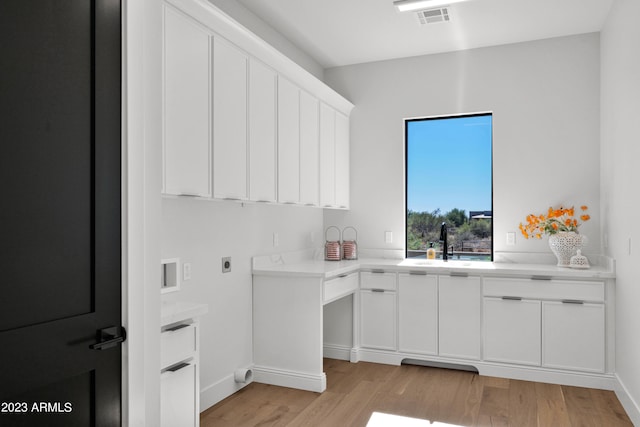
(226, 264)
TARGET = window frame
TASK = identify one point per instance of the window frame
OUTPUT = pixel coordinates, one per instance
(405, 125)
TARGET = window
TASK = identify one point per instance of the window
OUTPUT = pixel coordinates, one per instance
(448, 178)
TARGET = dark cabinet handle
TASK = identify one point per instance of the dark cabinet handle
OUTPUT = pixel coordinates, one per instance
(177, 327)
(512, 298)
(109, 337)
(572, 301)
(178, 367)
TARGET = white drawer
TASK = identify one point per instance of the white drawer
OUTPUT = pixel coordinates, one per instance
(375, 280)
(177, 343)
(544, 289)
(339, 287)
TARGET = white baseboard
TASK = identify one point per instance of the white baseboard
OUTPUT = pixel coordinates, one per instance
(334, 351)
(299, 380)
(214, 393)
(628, 403)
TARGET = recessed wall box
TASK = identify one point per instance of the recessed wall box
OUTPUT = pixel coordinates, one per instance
(170, 279)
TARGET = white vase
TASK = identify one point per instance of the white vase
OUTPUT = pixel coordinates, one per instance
(564, 245)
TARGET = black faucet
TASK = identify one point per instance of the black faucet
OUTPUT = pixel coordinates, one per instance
(443, 239)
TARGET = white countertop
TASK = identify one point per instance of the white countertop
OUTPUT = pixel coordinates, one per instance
(173, 312)
(326, 269)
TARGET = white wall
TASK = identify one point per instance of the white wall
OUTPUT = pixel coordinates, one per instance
(545, 99)
(201, 233)
(620, 88)
(254, 23)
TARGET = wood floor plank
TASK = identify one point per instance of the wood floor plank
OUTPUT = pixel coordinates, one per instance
(357, 390)
(552, 410)
(523, 404)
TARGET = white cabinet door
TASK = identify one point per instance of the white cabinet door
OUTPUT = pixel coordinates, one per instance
(342, 161)
(186, 154)
(178, 397)
(309, 149)
(418, 313)
(229, 121)
(378, 319)
(459, 317)
(288, 142)
(512, 331)
(573, 336)
(327, 156)
(262, 132)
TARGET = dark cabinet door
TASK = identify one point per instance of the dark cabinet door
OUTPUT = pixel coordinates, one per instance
(60, 214)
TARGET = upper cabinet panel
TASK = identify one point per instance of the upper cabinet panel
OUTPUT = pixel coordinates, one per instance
(288, 142)
(186, 102)
(230, 68)
(262, 132)
(309, 149)
(342, 161)
(327, 156)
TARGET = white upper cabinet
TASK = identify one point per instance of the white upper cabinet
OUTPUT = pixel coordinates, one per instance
(262, 132)
(342, 161)
(309, 149)
(186, 107)
(327, 156)
(334, 158)
(244, 122)
(230, 68)
(288, 142)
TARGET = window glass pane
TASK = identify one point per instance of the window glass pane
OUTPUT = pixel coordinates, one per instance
(449, 179)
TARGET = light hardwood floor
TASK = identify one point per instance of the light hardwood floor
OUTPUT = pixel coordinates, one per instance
(356, 390)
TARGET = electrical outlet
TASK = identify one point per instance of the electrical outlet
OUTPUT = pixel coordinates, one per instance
(186, 271)
(276, 240)
(511, 238)
(388, 237)
(226, 264)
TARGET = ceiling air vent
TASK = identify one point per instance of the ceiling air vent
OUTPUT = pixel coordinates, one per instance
(433, 16)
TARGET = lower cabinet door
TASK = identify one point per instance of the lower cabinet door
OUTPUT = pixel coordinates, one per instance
(418, 313)
(573, 336)
(512, 331)
(459, 302)
(378, 319)
(178, 397)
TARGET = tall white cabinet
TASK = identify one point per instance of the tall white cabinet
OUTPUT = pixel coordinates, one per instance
(262, 132)
(186, 106)
(230, 70)
(309, 149)
(288, 142)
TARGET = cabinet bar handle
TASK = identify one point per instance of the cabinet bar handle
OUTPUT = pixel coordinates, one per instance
(377, 290)
(188, 195)
(377, 271)
(178, 367)
(342, 275)
(572, 301)
(418, 273)
(540, 277)
(458, 274)
(177, 327)
(512, 298)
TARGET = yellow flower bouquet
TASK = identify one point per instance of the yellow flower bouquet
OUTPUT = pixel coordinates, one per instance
(556, 220)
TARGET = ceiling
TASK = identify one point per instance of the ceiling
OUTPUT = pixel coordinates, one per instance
(343, 32)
